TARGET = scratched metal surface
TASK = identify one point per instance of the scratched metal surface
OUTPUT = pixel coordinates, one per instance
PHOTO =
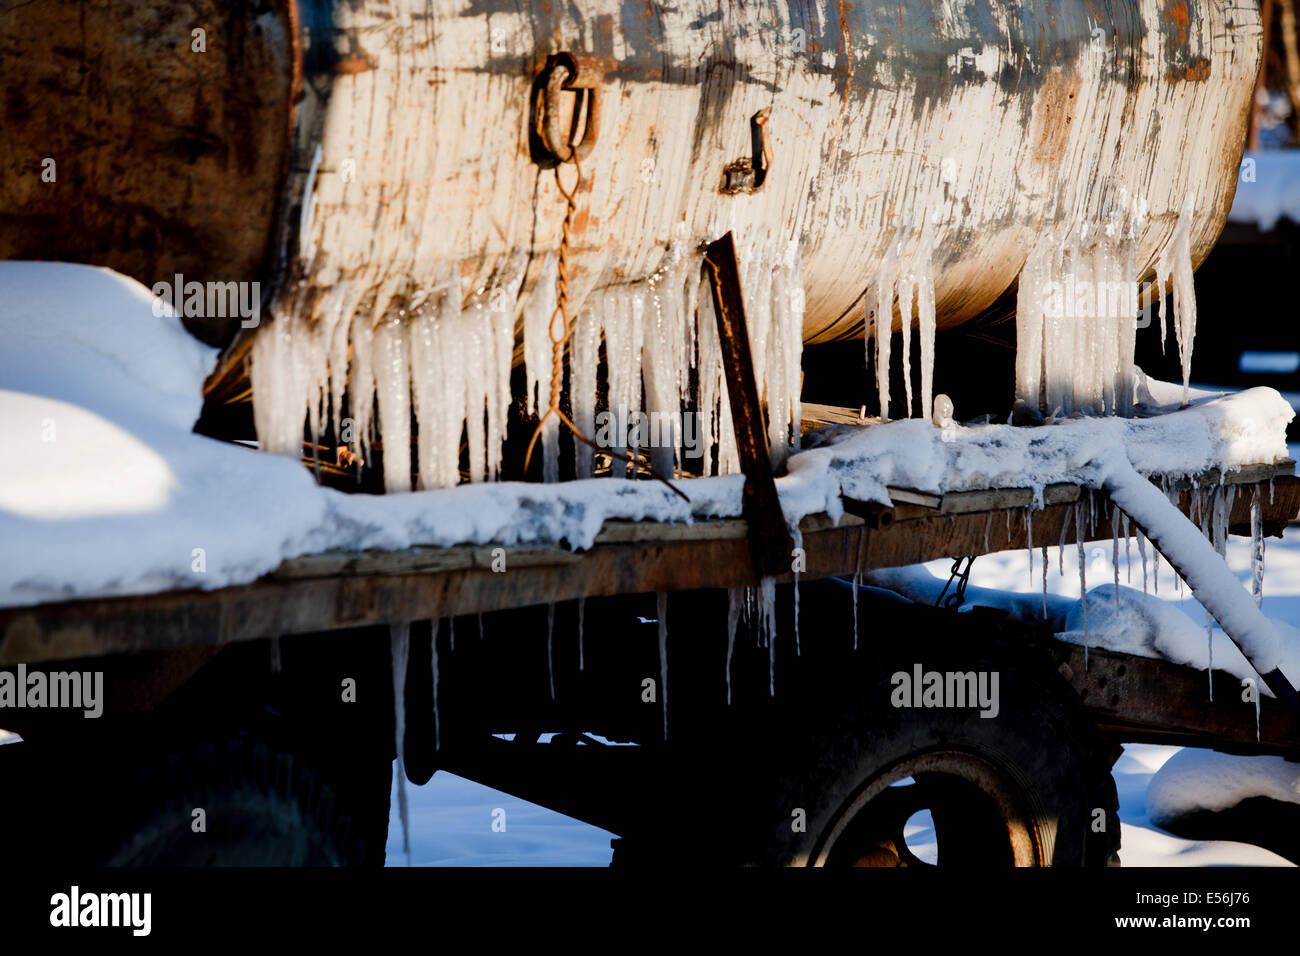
(990, 119)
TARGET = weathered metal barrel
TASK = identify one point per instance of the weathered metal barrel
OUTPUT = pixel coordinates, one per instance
(372, 144)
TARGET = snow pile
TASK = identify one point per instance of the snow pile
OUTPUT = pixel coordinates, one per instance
(1268, 189)
(1120, 619)
(111, 493)
(1193, 780)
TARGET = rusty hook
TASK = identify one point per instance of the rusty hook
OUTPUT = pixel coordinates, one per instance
(579, 73)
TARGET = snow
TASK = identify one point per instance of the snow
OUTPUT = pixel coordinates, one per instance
(1268, 189)
(1143, 843)
(1001, 580)
(451, 825)
(1206, 780)
(115, 495)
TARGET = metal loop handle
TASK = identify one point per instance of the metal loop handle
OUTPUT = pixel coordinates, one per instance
(578, 73)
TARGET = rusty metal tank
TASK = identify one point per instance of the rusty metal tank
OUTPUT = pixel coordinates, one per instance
(190, 137)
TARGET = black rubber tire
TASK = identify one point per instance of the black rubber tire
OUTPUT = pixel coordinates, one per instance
(830, 747)
(261, 808)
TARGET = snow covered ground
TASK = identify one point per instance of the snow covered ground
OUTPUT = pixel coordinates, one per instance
(451, 818)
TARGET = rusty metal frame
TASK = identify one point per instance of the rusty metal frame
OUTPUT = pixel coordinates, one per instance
(770, 545)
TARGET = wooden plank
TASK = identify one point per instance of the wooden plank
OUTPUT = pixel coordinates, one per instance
(816, 416)
(1145, 700)
(311, 594)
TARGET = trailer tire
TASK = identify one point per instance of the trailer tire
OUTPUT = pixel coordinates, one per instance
(241, 801)
(1042, 768)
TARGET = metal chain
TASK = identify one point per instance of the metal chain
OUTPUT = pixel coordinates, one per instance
(560, 338)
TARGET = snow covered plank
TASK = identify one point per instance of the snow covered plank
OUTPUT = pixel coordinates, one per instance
(1146, 700)
(337, 590)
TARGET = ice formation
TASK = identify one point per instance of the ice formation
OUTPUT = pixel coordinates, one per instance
(550, 646)
(1174, 269)
(443, 351)
(1076, 321)
(905, 276)
(449, 352)
(661, 614)
(400, 641)
(433, 654)
(658, 329)
(735, 602)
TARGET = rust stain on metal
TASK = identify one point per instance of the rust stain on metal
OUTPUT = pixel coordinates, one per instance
(358, 62)
(1177, 13)
(1050, 131)
(846, 48)
(1198, 70)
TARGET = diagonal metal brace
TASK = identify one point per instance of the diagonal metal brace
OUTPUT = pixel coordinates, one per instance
(770, 546)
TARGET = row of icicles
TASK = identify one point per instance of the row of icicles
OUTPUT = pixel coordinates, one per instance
(1211, 507)
(448, 353)
(448, 356)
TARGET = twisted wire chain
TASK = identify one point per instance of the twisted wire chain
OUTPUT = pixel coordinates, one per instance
(560, 337)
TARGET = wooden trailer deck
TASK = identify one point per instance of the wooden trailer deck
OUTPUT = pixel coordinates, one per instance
(334, 590)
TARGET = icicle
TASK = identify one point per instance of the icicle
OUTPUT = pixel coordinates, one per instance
(433, 656)
(857, 582)
(988, 525)
(393, 382)
(881, 304)
(582, 385)
(1114, 554)
(1083, 577)
(767, 597)
(1029, 542)
(479, 616)
(361, 390)
(661, 612)
(857, 577)
(735, 598)
(661, 356)
(926, 323)
(1256, 550)
(451, 634)
(582, 614)
(550, 646)
(437, 345)
(400, 641)
(538, 311)
(1142, 551)
(624, 315)
(906, 304)
(1209, 641)
(797, 537)
(1175, 267)
(1060, 548)
(1075, 307)
(1045, 563)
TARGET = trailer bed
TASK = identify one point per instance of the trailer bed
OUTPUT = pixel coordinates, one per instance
(337, 590)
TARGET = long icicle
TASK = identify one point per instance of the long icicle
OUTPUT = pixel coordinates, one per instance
(400, 643)
(661, 612)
